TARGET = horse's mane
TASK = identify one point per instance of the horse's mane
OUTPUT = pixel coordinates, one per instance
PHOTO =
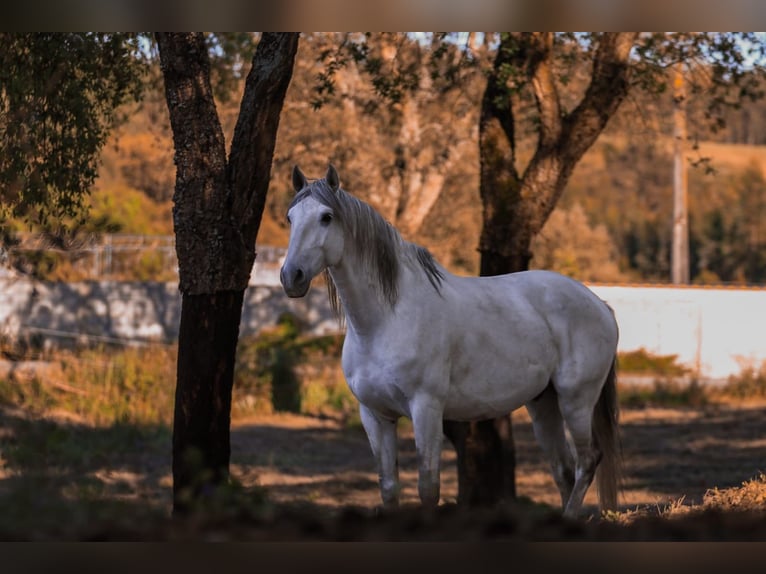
(379, 244)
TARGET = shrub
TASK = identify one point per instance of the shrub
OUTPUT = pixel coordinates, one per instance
(642, 361)
(664, 393)
(750, 383)
(281, 370)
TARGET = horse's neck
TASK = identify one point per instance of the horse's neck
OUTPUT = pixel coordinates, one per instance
(364, 306)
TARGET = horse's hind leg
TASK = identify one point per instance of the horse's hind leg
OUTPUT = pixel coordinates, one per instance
(381, 433)
(548, 426)
(578, 415)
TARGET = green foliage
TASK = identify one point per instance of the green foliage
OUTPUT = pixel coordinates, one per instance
(642, 361)
(271, 372)
(59, 93)
(666, 390)
(723, 58)
(33, 396)
(386, 60)
(570, 245)
(748, 385)
(330, 396)
(280, 370)
(230, 55)
(124, 209)
(664, 393)
(264, 377)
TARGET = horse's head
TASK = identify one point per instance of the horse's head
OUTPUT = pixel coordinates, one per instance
(316, 236)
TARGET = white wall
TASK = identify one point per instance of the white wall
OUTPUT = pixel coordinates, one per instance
(715, 331)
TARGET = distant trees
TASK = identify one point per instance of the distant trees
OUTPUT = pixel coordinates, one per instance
(728, 230)
(416, 159)
(570, 245)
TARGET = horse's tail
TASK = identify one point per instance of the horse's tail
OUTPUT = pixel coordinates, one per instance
(606, 438)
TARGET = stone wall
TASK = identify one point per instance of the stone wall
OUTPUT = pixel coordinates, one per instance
(55, 314)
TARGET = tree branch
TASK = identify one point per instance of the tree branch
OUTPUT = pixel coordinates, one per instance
(255, 133)
(544, 88)
(496, 103)
(563, 141)
(608, 87)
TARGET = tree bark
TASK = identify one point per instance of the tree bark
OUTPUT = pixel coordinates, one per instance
(515, 207)
(217, 210)
(207, 342)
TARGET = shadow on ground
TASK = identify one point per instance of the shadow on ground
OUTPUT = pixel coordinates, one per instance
(62, 480)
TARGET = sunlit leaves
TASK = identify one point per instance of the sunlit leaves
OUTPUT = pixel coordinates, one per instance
(58, 96)
(724, 68)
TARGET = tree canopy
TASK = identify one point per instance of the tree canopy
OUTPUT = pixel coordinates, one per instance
(59, 99)
(408, 141)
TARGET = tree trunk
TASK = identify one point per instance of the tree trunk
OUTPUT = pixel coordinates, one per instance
(486, 460)
(516, 207)
(217, 210)
(206, 351)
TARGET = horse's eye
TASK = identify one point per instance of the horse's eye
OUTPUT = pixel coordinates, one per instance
(288, 220)
(326, 218)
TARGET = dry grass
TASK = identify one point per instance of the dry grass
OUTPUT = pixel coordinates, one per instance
(89, 438)
(101, 387)
(750, 496)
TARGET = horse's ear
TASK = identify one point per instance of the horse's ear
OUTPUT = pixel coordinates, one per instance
(299, 180)
(332, 178)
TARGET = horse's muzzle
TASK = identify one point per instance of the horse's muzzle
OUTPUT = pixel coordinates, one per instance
(294, 281)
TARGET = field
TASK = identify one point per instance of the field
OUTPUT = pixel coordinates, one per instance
(690, 473)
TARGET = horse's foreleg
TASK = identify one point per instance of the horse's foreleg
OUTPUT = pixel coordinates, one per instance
(381, 433)
(427, 424)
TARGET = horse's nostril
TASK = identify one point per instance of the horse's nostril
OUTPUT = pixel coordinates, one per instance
(299, 275)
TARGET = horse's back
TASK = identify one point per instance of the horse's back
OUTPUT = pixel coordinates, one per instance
(574, 313)
(559, 296)
(550, 294)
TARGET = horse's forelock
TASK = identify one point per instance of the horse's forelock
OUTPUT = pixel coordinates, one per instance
(320, 190)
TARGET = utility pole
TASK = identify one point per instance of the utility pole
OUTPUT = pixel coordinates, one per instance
(680, 253)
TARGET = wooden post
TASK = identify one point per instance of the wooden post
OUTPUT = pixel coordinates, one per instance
(680, 250)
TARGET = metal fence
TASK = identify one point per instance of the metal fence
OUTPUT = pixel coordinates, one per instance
(119, 257)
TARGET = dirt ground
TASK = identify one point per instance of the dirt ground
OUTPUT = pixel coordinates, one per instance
(319, 476)
(671, 457)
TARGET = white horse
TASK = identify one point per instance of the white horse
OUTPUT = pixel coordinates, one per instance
(431, 346)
